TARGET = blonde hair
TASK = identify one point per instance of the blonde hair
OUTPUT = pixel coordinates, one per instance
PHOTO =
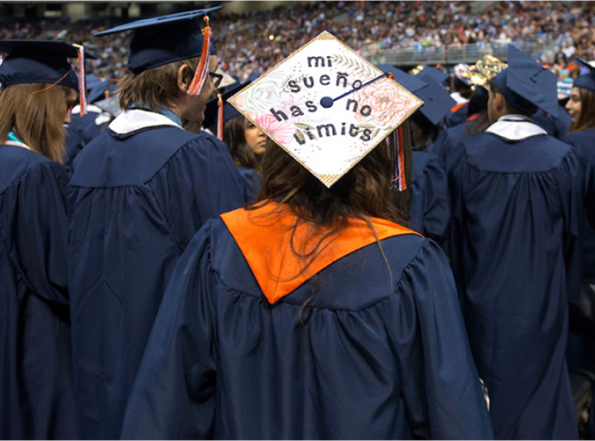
(155, 88)
(36, 118)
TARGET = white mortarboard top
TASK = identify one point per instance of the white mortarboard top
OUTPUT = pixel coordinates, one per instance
(326, 106)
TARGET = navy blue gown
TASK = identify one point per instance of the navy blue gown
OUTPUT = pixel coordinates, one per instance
(584, 145)
(36, 391)
(381, 356)
(75, 131)
(429, 211)
(556, 127)
(135, 200)
(517, 214)
(446, 141)
(457, 117)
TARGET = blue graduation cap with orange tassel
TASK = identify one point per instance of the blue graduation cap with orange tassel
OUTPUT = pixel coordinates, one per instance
(162, 40)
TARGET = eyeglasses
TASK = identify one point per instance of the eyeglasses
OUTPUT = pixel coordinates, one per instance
(216, 78)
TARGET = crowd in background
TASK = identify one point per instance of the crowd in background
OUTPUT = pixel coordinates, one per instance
(256, 41)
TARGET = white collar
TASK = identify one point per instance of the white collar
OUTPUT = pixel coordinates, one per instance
(17, 144)
(137, 119)
(90, 107)
(515, 128)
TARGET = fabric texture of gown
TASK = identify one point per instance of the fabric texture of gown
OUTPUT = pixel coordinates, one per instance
(382, 355)
(459, 116)
(429, 210)
(81, 130)
(517, 213)
(36, 391)
(140, 191)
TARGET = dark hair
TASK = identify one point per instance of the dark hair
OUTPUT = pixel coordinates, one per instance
(507, 106)
(233, 136)
(586, 118)
(37, 116)
(363, 192)
(478, 107)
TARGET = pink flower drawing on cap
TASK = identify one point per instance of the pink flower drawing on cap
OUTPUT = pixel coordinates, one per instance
(281, 131)
(390, 104)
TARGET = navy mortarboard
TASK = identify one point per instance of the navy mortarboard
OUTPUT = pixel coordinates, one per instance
(437, 75)
(162, 40)
(44, 61)
(527, 85)
(586, 81)
(437, 101)
(218, 110)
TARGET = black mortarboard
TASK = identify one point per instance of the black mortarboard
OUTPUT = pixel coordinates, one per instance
(585, 81)
(162, 40)
(212, 107)
(527, 85)
(38, 61)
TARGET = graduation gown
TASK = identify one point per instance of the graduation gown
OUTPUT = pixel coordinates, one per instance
(139, 193)
(446, 141)
(36, 392)
(81, 130)
(252, 181)
(429, 210)
(456, 117)
(584, 145)
(516, 217)
(554, 126)
(381, 355)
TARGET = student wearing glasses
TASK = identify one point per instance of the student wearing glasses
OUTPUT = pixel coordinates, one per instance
(139, 192)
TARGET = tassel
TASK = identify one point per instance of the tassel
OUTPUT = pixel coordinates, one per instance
(82, 79)
(220, 117)
(399, 181)
(202, 70)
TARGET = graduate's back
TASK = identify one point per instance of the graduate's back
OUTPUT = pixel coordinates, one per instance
(135, 201)
(379, 353)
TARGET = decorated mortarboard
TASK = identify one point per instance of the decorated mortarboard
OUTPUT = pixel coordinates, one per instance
(585, 81)
(436, 74)
(326, 106)
(437, 101)
(527, 85)
(44, 61)
(167, 39)
(480, 73)
(459, 71)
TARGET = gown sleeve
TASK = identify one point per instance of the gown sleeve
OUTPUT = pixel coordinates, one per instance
(441, 388)
(434, 200)
(199, 182)
(34, 228)
(173, 396)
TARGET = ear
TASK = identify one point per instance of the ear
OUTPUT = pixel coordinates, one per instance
(183, 81)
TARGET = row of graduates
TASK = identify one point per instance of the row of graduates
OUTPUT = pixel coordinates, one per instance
(141, 190)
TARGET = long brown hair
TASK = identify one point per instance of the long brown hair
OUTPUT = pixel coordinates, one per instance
(154, 89)
(363, 192)
(586, 119)
(37, 119)
(235, 138)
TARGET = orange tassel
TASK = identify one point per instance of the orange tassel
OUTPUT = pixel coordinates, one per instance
(220, 117)
(402, 180)
(202, 70)
(80, 61)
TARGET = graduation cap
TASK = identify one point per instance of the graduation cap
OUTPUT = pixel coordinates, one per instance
(327, 107)
(484, 70)
(44, 61)
(437, 101)
(527, 85)
(459, 71)
(167, 39)
(97, 92)
(586, 81)
(436, 74)
(218, 110)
